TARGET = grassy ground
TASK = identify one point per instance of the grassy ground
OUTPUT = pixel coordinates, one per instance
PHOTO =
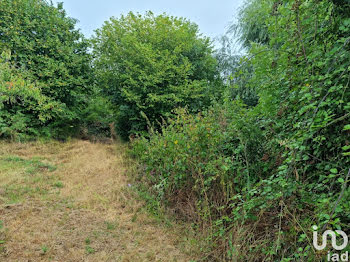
(72, 202)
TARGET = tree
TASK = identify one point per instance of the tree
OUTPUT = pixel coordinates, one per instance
(235, 71)
(228, 57)
(150, 65)
(251, 25)
(44, 41)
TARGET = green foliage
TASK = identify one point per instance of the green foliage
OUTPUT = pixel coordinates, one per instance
(252, 23)
(273, 169)
(44, 41)
(44, 249)
(205, 161)
(89, 250)
(24, 110)
(236, 70)
(227, 57)
(261, 166)
(148, 65)
(98, 117)
(186, 146)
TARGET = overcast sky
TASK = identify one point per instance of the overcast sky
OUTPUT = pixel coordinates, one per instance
(211, 16)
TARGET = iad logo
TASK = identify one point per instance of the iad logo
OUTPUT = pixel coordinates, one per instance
(335, 256)
(334, 239)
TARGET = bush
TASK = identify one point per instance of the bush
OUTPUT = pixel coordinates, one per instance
(149, 65)
(44, 41)
(184, 157)
(273, 170)
(98, 118)
(200, 164)
(24, 110)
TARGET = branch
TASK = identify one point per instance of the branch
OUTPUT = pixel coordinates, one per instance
(339, 198)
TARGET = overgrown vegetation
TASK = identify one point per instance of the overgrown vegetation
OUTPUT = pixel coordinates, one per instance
(251, 147)
(24, 109)
(149, 65)
(258, 176)
(43, 42)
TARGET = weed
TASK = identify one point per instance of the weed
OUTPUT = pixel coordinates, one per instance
(58, 184)
(44, 249)
(87, 241)
(90, 250)
(110, 225)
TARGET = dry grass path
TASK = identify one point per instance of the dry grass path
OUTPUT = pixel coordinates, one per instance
(71, 202)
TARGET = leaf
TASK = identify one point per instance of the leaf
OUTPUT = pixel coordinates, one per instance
(326, 216)
(346, 148)
(334, 171)
(341, 180)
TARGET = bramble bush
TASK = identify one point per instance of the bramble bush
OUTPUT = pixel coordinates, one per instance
(183, 157)
(206, 167)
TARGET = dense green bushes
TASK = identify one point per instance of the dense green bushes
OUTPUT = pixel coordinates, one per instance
(258, 176)
(207, 167)
(24, 109)
(98, 117)
(44, 42)
(149, 65)
(255, 164)
(183, 156)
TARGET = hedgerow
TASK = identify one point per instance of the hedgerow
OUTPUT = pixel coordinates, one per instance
(44, 41)
(24, 110)
(257, 177)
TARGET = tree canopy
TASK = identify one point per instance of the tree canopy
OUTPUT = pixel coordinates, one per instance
(149, 65)
(43, 40)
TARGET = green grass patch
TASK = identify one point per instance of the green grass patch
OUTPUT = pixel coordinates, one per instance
(2, 236)
(32, 166)
(22, 178)
(58, 184)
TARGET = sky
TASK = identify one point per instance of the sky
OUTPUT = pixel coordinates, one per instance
(212, 17)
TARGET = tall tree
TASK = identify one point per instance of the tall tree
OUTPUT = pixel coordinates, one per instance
(252, 22)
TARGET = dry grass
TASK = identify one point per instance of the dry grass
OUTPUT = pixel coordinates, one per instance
(71, 202)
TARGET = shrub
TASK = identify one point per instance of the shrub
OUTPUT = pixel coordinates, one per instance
(275, 169)
(24, 110)
(184, 158)
(98, 117)
(150, 65)
(44, 41)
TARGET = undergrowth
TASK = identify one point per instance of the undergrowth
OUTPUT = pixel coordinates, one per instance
(255, 178)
